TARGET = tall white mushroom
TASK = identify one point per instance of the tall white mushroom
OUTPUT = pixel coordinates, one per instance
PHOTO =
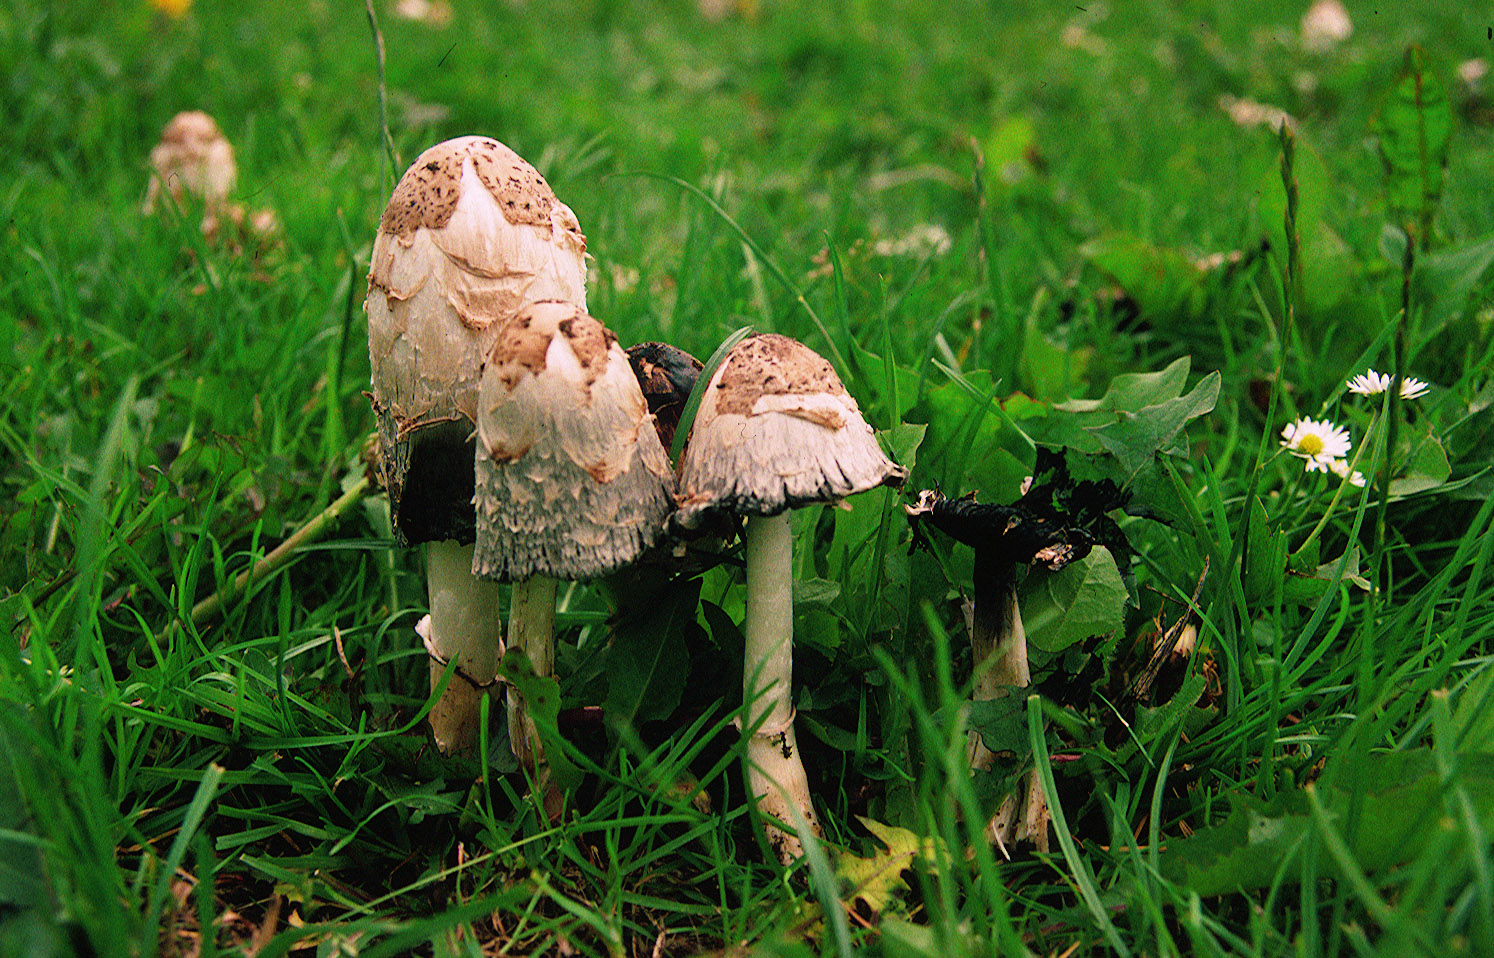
(572, 480)
(470, 236)
(775, 430)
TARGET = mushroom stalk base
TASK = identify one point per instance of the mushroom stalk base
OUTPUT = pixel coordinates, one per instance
(464, 625)
(531, 629)
(775, 773)
(996, 632)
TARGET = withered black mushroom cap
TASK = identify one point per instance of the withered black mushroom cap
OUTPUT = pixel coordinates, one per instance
(667, 375)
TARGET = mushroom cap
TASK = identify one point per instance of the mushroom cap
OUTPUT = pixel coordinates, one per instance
(471, 234)
(194, 160)
(572, 481)
(776, 429)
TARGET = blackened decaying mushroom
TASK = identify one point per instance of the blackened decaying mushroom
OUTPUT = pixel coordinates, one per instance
(572, 481)
(471, 234)
(667, 375)
(1057, 521)
(776, 429)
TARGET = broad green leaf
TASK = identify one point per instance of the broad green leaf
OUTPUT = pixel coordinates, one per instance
(967, 428)
(1002, 723)
(902, 442)
(1163, 282)
(1050, 370)
(1136, 437)
(1414, 129)
(1445, 280)
(542, 697)
(871, 377)
(1473, 714)
(1266, 559)
(648, 663)
(1084, 599)
(1007, 149)
(1327, 262)
(1399, 813)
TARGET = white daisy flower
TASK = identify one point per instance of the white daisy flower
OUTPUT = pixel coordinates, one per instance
(1340, 468)
(1373, 384)
(1318, 441)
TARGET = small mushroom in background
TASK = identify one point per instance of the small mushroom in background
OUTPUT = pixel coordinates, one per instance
(572, 480)
(775, 430)
(471, 234)
(194, 164)
(1057, 521)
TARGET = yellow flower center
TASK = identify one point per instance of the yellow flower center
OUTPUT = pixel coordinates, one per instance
(1310, 444)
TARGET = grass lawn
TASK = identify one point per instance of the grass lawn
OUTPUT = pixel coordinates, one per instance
(1057, 238)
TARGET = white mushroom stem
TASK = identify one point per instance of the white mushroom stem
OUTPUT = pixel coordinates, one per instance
(996, 632)
(775, 773)
(464, 625)
(531, 629)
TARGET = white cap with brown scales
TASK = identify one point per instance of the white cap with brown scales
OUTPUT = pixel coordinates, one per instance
(572, 481)
(776, 429)
(470, 236)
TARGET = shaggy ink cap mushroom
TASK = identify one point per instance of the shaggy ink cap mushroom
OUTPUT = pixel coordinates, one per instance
(775, 430)
(572, 480)
(471, 235)
(193, 160)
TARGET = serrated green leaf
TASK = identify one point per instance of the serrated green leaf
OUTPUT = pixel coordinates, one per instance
(1002, 723)
(1327, 263)
(1085, 599)
(1398, 815)
(1137, 437)
(877, 881)
(1163, 282)
(1135, 391)
(1425, 466)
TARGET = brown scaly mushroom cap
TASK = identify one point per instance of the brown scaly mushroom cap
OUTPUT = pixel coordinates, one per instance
(572, 481)
(776, 430)
(194, 160)
(470, 236)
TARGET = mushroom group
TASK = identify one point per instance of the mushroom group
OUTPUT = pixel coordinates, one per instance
(518, 445)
